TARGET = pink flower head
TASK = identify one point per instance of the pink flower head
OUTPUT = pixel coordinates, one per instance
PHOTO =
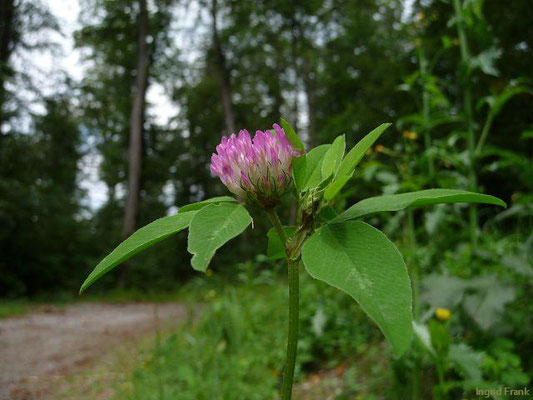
(257, 170)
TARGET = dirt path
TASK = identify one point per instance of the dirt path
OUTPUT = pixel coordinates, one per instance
(38, 348)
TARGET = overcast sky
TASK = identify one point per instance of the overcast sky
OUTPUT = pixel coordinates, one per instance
(70, 60)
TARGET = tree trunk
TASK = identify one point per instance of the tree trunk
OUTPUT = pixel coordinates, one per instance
(307, 77)
(224, 73)
(7, 13)
(136, 131)
(295, 109)
(309, 86)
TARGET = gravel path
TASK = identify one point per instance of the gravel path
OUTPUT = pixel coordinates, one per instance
(40, 347)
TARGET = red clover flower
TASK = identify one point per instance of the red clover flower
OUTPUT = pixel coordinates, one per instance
(257, 170)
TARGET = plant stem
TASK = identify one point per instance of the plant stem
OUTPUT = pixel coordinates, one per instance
(274, 219)
(422, 61)
(484, 133)
(292, 339)
(415, 270)
(442, 381)
(467, 104)
(294, 287)
(415, 279)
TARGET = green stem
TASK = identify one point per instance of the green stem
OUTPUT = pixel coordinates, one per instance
(415, 270)
(415, 279)
(422, 61)
(417, 379)
(484, 134)
(276, 223)
(292, 339)
(442, 381)
(294, 284)
(467, 104)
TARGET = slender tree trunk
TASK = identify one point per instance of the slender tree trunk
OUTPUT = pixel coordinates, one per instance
(308, 80)
(295, 107)
(7, 13)
(311, 98)
(423, 64)
(277, 93)
(224, 73)
(136, 131)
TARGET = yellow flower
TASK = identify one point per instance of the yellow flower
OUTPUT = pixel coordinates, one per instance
(380, 148)
(410, 135)
(443, 314)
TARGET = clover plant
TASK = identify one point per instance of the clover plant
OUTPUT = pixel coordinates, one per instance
(337, 248)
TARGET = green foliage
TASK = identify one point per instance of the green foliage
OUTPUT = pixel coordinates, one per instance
(402, 201)
(356, 154)
(502, 364)
(422, 334)
(308, 170)
(440, 338)
(334, 187)
(333, 157)
(235, 350)
(362, 262)
(299, 169)
(292, 136)
(483, 299)
(202, 204)
(333, 327)
(143, 238)
(41, 233)
(10, 308)
(348, 164)
(212, 227)
(487, 304)
(443, 290)
(467, 361)
(276, 249)
(236, 345)
(281, 57)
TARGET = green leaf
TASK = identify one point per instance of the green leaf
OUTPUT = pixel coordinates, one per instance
(497, 101)
(402, 201)
(467, 361)
(202, 204)
(145, 237)
(334, 187)
(442, 291)
(487, 304)
(275, 249)
(333, 157)
(359, 260)
(327, 213)
(440, 337)
(421, 332)
(298, 171)
(292, 136)
(313, 167)
(486, 61)
(518, 264)
(354, 156)
(359, 150)
(483, 298)
(211, 228)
